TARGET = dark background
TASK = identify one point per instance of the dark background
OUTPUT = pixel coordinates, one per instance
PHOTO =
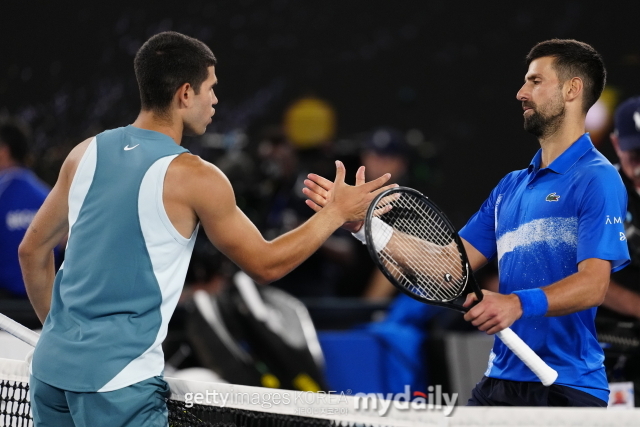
(450, 69)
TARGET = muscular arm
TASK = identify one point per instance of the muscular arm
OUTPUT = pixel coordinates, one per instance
(48, 228)
(208, 192)
(580, 291)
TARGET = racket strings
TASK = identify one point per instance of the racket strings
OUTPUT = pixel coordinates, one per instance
(416, 264)
(423, 255)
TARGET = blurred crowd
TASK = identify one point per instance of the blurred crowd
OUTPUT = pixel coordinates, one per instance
(267, 170)
(267, 173)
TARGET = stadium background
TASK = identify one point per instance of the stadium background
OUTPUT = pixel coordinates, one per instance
(448, 68)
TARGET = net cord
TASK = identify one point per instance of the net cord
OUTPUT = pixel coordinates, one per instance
(17, 330)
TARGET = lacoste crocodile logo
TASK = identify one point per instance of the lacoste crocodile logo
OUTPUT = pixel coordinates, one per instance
(553, 197)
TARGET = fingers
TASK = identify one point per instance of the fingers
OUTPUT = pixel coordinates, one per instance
(382, 210)
(495, 329)
(471, 299)
(315, 198)
(388, 199)
(340, 173)
(321, 181)
(315, 188)
(360, 176)
(376, 183)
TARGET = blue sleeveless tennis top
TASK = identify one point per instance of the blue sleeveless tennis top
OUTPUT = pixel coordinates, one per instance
(123, 272)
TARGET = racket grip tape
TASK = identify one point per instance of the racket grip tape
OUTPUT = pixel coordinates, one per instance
(544, 372)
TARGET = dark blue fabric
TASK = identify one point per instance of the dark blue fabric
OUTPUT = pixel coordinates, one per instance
(495, 392)
(21, 195)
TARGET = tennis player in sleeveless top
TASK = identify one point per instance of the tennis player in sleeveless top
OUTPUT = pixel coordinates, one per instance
(132, 200)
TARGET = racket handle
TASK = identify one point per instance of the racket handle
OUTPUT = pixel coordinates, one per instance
(543, 371)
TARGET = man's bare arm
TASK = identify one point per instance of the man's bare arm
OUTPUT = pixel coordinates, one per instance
(580, 291)
(622, 300)
(48, 228)
(211, 196)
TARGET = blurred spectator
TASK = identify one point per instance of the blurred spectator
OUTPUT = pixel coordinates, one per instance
(623, 295)
(284, 167)
(21, 195)
(384, 150)
(622, 301)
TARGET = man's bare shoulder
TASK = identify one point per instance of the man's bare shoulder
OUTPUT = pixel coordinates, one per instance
(191, 167)
(196, 177)
(72, 161)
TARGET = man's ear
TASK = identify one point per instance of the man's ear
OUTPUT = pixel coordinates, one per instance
(573, 88)
(184, 95)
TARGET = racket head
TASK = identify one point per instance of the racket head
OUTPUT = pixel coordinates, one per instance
(423, 272)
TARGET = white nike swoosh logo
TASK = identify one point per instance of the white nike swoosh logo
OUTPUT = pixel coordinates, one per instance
(127, 148)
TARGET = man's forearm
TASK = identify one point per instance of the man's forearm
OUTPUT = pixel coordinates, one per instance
(38, 273)
(622, 300)
(580, 291)
(289, 250)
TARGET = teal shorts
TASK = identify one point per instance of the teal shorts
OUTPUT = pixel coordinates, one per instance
(140, 404)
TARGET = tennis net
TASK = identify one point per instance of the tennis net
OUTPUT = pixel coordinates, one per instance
(202, 404)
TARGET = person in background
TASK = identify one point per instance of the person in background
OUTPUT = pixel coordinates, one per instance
(622, 301)
(384, 149)
(21, 195)
(623, 295)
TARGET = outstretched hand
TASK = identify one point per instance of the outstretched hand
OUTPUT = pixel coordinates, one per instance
(355, 199)
(317, 190)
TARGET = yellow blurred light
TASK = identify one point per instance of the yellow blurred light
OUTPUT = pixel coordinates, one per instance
(310, 122)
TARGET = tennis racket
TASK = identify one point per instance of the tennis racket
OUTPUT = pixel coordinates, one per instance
(417, 248)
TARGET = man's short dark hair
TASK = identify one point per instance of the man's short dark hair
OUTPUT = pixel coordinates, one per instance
(167, 61)
(15, 135)
(574, 59)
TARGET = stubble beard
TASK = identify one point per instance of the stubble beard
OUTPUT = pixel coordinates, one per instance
(541, 123)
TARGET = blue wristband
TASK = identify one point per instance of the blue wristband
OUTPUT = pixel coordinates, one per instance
(534, 302)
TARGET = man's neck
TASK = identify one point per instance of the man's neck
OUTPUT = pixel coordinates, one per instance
(555, 144)
(169, 126)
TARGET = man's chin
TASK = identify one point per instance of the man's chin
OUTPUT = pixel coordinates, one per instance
(533, 129)
(194, 132)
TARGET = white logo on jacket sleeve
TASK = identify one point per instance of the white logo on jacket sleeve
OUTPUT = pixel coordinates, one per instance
(127, 148)
(615, 220)
(622, 237)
